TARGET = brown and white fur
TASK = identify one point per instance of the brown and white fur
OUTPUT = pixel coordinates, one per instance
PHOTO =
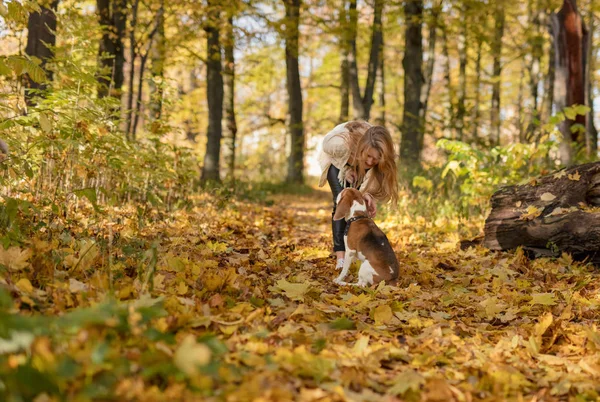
(365, 241)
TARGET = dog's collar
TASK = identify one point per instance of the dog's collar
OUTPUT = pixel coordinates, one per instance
(349, 221)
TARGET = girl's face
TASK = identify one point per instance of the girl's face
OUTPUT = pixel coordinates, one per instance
(372, 158)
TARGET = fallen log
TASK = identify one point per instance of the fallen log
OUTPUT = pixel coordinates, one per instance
(549, 215)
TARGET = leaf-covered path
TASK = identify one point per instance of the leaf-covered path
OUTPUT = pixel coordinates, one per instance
(247, 311)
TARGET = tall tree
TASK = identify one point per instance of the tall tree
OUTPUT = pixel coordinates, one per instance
(448, 78)
(536, 50)
(380, 120)
(462, 73)
(433, 24)
(477, 100)
(345, 43)
(570, 57)
(294, 90)
(362, 102)
(111, 52)
(495, 122)
(230, 131)
(412, 130)
(158, 57)
(590, 129)
(214, 94)
(41, 39)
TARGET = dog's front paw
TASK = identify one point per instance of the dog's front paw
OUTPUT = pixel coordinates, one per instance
(339, 264)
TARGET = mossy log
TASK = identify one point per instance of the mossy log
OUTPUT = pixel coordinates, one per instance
(549, 215)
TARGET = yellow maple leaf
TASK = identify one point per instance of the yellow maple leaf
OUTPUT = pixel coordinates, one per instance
(14, 258)
(182, 288)
(294, 291)
(560, 174)
(575, 176)
(532, 213)
(382, 314)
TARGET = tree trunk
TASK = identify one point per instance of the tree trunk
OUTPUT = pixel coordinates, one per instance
(462, 76)
(111, 52)
(357, 104)
(214, 95)
(41, 39)
(230, 132)
(362, 103)
(590, 129)
(380, 120)
(534, 63)
(549, 81)
(345, 66)
(428, 79)
(376, 46)
(448, 78)
(412, 130)
(550, 217)
(295, 124)
(158, 57)
(132, 57)
(569, 38)
(520, 106)
(497, 56)
(477, 100)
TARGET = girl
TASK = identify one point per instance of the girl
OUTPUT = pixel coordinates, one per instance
(360, 155)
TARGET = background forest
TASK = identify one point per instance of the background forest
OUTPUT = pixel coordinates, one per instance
(162, 236)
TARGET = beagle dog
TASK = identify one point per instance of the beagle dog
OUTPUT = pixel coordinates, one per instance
(365, 241)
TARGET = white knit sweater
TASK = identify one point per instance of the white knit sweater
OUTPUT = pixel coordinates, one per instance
(335, 152)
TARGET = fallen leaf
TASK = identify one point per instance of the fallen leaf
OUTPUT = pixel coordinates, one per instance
(14, 258)
(191, 355)
(24, 285)
(76, 286)
(545, 299)
(294, 291)
(547, 197)
(382, 314)
(407, 380)
(532, 212)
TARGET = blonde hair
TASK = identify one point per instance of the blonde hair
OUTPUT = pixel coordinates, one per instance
(383, 184)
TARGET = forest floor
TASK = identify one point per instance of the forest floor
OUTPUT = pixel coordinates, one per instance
(234, 300)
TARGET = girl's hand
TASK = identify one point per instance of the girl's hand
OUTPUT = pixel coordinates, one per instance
(350, 176)
(371, 205)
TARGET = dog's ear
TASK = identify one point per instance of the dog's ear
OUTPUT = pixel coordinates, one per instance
(343, 206)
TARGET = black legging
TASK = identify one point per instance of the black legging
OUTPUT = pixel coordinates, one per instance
(337, 227)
